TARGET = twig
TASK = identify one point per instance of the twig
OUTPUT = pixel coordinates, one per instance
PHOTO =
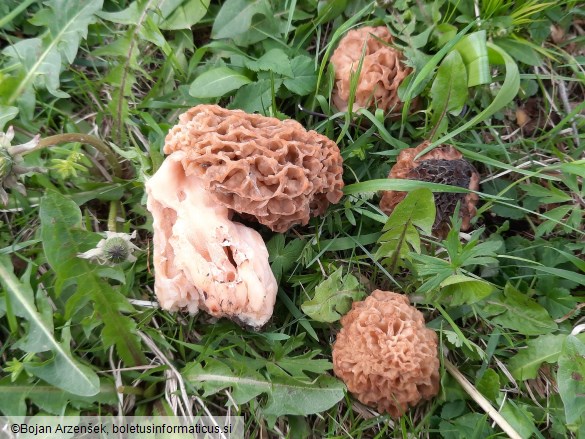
(481, 401)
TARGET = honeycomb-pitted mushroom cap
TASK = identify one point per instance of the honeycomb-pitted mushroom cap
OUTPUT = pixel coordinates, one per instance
(445, 165)
(275, 171)
(385, 354)
(381, 74)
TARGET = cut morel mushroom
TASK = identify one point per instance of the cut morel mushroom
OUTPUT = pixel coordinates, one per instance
(222, 162)
(385, 354)
(382, 70)
(445, 165)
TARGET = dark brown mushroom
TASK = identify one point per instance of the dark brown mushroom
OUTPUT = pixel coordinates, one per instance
(445, 165)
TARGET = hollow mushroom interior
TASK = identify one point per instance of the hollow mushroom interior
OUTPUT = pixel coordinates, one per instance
(202, 259)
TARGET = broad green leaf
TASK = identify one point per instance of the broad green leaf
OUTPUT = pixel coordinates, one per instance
(48, 398)
(6, 114)
(67, 22)
(63, 370)
(416, 85)
(463, 289)
(275, 60)
(286, 396)
(185, 14)
(489, 384)
(256, 96)
(281, 258)
(517, 311)
(400, 234)
(519, 50)
(304, 78)
(235, 17)
(571, 380)
(469, 426)
(217, 82)
(473, 50)
(333, 297)
(544, 349)
(63, 239)
(520, 418)
(449, 89)
(506, 94)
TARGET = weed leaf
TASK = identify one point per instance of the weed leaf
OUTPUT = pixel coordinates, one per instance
(63, 370)
(517, 311)
(217, 82)
(333, 297)
(286, 396)
(400, 234)
(63, 239)
(41, 60)
(544, 349)
(571, 380)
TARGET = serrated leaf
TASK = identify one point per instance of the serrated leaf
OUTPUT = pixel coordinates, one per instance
(67, 22)
(516, 311)
(544, 349)
(571, 380)
(63, 370)
(63, 239)
(48, 398)
(217, 82)
(333, 297)
(400, 233)
(285, 395)
(282, 258)
(235, 17)
(304, 77)
(275, 60)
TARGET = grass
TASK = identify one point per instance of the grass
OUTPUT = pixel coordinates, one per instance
(103, 83)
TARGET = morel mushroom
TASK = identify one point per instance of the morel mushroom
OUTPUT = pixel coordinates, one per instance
(381, 74)
(275, 171)
(385, 354)
(223, 162)
(443, 164)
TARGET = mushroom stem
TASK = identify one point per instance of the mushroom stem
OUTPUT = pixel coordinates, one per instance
(481, 401)
(202, 259)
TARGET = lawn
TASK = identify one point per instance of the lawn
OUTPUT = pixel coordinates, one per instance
(480, 229)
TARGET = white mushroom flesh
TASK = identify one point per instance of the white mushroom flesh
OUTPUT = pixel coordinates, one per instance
(202, 260)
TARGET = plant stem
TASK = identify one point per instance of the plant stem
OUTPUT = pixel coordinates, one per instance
(112, 216)
(98, 144)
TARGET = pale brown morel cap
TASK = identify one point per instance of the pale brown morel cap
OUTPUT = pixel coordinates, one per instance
(382, 70)
(386, 355)
(275, 171)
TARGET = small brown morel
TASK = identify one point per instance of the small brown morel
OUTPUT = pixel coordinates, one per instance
(445, 165)
(224, 162)
(385, 354)
(382, 70)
